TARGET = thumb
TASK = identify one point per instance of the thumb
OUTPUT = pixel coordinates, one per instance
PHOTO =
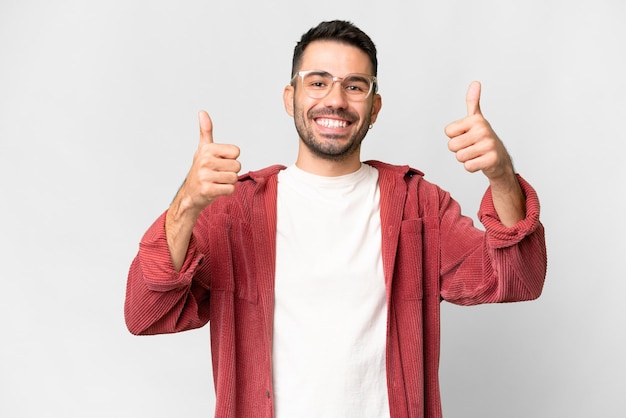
(206, 127)
(472, 99)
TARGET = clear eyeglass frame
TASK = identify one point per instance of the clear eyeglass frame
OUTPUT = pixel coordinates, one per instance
(351, 84)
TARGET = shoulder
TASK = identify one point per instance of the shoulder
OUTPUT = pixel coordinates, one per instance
(427, 194)
(262, 175)
(253, 180)
(391, 173)
(393, 169)
(250, 184)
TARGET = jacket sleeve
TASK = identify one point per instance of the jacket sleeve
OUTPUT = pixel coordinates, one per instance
(499, 264)
(158, 298)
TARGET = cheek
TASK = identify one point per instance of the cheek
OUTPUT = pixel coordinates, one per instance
(366, 114)
(302, 108)
(372, 113)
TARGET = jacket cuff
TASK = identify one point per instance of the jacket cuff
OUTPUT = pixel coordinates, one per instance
(500, 236)
(156, 262)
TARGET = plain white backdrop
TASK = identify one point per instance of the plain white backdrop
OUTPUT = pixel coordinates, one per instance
(98, 125)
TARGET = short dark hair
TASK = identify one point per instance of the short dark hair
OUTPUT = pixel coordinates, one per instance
(339, 31)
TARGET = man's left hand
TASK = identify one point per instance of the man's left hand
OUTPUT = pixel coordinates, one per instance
(475, 143)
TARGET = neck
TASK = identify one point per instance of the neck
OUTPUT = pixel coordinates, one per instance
(328, 166)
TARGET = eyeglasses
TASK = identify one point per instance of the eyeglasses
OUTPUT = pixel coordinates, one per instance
(317, 84)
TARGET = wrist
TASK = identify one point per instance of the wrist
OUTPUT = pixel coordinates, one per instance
(182, 210)
(504, 180)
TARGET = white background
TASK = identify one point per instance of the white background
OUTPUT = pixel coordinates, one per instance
(98, 125)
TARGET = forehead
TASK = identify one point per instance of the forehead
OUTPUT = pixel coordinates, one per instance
(335, 57)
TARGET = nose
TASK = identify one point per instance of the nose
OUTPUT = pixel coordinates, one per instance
(336, 97)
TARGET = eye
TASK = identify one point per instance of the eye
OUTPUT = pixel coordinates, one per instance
(356, 84)
(317, 81)
(317, 84)
(355, 88)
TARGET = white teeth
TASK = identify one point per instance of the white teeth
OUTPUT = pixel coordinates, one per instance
(332, 123)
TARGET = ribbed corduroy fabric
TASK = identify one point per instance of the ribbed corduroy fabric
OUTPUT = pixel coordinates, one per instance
(430, 252)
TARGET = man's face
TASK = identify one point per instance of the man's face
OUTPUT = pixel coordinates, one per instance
(332, 127)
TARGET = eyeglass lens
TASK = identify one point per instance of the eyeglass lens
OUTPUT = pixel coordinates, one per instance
(318, 84)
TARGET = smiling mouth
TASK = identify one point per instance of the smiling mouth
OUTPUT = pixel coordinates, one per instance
(332, 123)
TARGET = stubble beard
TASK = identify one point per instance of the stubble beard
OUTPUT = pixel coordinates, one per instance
(330, 149)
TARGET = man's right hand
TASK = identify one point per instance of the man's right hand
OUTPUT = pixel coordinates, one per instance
(213, 173)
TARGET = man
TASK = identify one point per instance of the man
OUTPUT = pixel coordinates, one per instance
(322, 281)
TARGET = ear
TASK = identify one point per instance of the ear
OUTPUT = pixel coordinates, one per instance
(376, 105)
(288, 99)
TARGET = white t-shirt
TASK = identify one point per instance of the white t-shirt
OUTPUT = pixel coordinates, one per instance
(330, 314)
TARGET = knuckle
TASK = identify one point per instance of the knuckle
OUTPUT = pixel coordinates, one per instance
(207, 190)
(470, 166)
(231, 178)
(460, 156)
(230, 189)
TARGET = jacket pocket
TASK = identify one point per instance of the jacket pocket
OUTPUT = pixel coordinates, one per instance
(231, 258)
(408, 276)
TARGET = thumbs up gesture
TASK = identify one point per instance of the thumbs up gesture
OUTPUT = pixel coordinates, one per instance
(478, 147)
(475, 143)
(214, 169)
(213, 174)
